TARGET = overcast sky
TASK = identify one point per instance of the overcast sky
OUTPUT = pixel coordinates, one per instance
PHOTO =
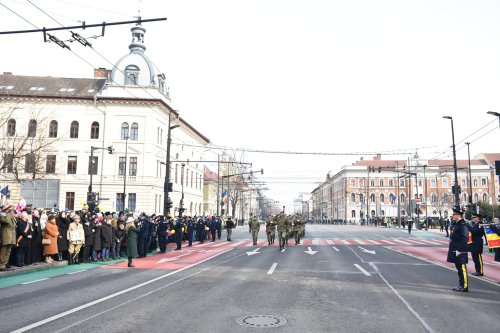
(349, 78)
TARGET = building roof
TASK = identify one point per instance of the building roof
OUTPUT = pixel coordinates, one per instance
(47, 86)
(209, 175)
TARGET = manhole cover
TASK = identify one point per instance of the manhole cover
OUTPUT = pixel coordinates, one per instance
(261, 321)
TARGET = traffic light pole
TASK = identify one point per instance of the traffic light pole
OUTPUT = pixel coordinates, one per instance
(91, 196)
(167, 204)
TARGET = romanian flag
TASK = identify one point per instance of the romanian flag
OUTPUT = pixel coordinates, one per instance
(469, 241)
(491, 237)
(392, 197)
(225, 197)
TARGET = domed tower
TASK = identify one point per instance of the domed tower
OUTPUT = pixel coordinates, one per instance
(135, 68)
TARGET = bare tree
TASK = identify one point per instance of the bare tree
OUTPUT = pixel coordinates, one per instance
(442, 203)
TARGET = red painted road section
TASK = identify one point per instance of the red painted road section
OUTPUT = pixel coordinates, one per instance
(439, 254)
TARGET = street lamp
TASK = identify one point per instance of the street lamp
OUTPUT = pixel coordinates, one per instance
(470, 176)
(496, 114)
(125, 172)
(456, 188)
(181, 206)
(166, 187)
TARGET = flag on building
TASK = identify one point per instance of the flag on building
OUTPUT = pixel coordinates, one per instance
(225, 197)
(5, 191)
(392, 197)
(491, 237)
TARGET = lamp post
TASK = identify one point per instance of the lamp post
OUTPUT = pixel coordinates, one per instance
(125, 172)
(166, 186)
(91, 196)
(456, 188)
(470, 176)
(496, 114)
(425, 198)
(181, 206)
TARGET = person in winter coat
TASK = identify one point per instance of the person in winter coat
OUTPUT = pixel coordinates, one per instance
(161, 230)
(96, 250)
(23, 231)
(88, 230)
(37, 236)
(62, 240)
(119, 235)
(132, 234)
(76, 238)
(8, 226)
(457, 251)
(51, 232)
(107, 239)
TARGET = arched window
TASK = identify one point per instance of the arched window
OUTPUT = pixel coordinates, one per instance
(382, 198)
(464, 197)
(11, 127)
(372, 197)
(445, 198)
(73, 131)
(434, 198)
(53, 129)
(124, 133)
(485, 197)
(353, 213)
(94, 130)
(134, 132)
(476, 198)
(132, 75)
(353, 197)
(32, 128)
(402, 198)
(474, 182)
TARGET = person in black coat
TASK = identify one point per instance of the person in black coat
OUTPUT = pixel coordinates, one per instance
(96, 249)
(106, 239)
(119, 235)
(144, 233)
(161, 230)
(62, 240)
(457, 251)
(201, 230)
(37, 237)
(476, 248)
(88, 230)
(190, 230)
(23, 235)
(178, 227)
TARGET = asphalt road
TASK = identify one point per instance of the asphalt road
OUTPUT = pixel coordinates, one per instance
(340, 279)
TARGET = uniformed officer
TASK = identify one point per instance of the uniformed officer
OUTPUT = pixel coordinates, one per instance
(179, 229)
(270, 230)
(476, 247)
(254, 227)
(282, 226)
(457, 251)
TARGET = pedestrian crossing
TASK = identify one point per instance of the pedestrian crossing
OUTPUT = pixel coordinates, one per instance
(332, 242)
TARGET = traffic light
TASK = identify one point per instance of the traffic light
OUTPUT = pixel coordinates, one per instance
(169, 203)
(91, 200)
(111, 150)
(170, 187)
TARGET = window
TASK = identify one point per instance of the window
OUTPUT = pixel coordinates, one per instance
(444, 180)
(474, 182)
(8, 163)
(402, 182)
(434, 198)
(362, 182)
(391, 182)
(32, 128)
(131, 75)
(361, 198)
(131, 201)
(353, 197)
(94, 130)
(192, 178)
(485, 197)
(11, 127)
(381, 183)
(70, 200)
(30, 163)
(372, 182)
(50, 166)
(353, 213)
(445, 198)
(433, 182)
(120, 202)
(353, 182)
(53, 129)
(420, 182)
(476, 198)
(72, 165)
(176, 173)
(124, 133)
(121, 166)
(402, 198)
(134, 132)
(73, 131)
(382, 198)
(372, 197)
(132, 170)
(93, 164)
(483, 182)
(464, 183)
(464, 197)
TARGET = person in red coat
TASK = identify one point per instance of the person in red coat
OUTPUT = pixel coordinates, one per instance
(51, 232)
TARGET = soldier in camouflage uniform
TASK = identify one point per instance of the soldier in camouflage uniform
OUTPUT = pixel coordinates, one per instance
(254, 227)
(270, 230)
(282, 225)
(296, 228)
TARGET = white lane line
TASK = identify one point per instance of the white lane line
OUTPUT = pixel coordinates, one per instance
(35, 281)
(405, 302)
(121, 292)
(372, 241)
(333, 247)
(359, 241)
(362, 270)
(386, 241)
(83, 270)
(329, 242)
(219, 244)
(344, 242)
(402, 242)
(273, 267)
(430, 242)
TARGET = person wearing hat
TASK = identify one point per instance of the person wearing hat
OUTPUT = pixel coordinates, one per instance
(476, 247)
(132, 234)
(457, 251)
(8, 223)
(76, 238)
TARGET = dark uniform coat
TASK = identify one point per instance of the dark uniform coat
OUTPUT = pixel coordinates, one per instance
(62, 226)
(477, 238)
(458, 242)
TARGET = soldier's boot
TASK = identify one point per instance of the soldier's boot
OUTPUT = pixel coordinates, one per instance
(76, 259)
(70, 259)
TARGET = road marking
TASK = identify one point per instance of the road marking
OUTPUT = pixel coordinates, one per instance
(315, 242)
(344, 242)
(121, 292)
(310, 251)
(83, 270)
(273, 267)
(359, 241)
(362, 270)
(333, 247)
(408, 306)
(35, 281)
(219, 244)
(372, 241)
(330, 242)
(366, 251)
(402, 242)
(386, 241)
(430, 242)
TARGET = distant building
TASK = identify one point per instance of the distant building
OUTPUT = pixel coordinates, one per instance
(51, 127)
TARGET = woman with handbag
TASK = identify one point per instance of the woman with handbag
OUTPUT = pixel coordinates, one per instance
(49, 240)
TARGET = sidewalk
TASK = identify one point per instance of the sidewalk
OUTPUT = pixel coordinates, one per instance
(13, 270)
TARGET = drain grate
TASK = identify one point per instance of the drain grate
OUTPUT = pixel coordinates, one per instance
(261, 321)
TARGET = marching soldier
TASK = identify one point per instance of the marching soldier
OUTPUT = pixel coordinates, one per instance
(282, 226)
(254, 227)
(457, 251)
(270, 230)
(476, 247)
